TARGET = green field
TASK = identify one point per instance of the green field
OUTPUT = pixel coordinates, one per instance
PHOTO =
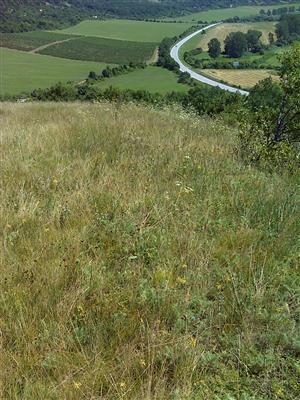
(102, 50)
(224, 13)
(30, 40)
(153, 79)
(22, 71)
(140, 31)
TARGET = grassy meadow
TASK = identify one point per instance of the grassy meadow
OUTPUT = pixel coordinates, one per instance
(21, 71)
(225, 13)
(102, 50)
(152, 79)
(128, 30)
(140, 259)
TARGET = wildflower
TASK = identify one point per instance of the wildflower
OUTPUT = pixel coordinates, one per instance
(123, 385)
(188, 189)
(178, 183)
(77, 384)
(219, 286)
(143, 362)
(193, 342)
(55, 182)
(181, 280)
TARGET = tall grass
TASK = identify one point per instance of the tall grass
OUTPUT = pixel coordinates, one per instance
(141, 260)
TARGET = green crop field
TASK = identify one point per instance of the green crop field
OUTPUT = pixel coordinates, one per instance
(224, 13)
(30, 40)
(22, 71)
(153, 79)
(102, 50)
(140, 31)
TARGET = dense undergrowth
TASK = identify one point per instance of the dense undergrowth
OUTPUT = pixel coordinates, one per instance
(141, 259)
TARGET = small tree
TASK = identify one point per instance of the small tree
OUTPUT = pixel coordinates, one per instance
(271, 38)
(214, 48)
(272, 128)
(253, 39)
(92, 75)
(236, 44)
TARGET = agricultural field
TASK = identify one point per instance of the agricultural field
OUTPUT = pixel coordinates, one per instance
(222, 31)
(243, 78)
(102, 50)
(29, 41)
(225, 13)
(152, 79)
(21, 71)
(268, 60)
(140, 31)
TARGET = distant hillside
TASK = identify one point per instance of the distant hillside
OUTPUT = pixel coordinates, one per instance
(19, 15)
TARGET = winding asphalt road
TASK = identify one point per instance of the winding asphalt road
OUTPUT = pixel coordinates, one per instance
(201, 78)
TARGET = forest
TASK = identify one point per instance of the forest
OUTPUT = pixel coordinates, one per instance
(22, 16)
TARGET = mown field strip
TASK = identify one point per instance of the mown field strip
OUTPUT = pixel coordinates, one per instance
(22, 71)
(240, 77)
(128, 30)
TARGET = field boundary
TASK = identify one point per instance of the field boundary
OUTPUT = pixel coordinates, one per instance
(45, 46)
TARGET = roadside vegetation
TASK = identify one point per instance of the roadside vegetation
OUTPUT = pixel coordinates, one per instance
(230, 48)
(141, 258)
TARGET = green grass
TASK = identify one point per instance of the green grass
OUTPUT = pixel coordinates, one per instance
(128, 30)
(153, 79)
(29, 40)
(102, 50)
(269, 58)
(225, 13)
(22, 71)
(140, 259)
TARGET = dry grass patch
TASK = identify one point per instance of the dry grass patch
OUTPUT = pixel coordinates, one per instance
(222, 31)
(240, 77)
(141, 260)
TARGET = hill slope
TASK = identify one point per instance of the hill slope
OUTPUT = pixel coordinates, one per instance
(141, 260)
(24, 15)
